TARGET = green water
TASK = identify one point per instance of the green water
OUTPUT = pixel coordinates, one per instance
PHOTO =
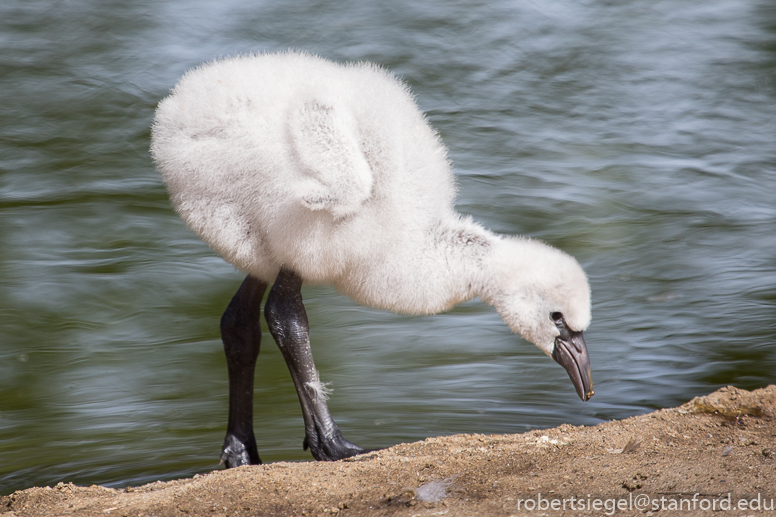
(638, 136)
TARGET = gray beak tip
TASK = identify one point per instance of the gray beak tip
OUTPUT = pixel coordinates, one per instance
(570, 351)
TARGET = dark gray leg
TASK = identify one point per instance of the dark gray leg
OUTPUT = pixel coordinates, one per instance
(287, 321)
(241, 334)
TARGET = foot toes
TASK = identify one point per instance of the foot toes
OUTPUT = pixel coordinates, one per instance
(333, 449)
(236, 453)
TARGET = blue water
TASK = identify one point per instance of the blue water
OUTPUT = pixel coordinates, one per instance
(638, 136)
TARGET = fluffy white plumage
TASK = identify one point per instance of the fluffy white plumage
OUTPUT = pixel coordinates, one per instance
(332, 171)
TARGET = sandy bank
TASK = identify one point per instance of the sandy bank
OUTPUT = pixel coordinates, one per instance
(721, 447)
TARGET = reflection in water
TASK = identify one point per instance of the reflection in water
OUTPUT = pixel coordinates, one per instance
(638, 137)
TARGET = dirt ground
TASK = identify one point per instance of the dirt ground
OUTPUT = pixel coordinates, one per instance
(713, 453)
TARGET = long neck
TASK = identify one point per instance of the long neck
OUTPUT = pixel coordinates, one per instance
(427, 273)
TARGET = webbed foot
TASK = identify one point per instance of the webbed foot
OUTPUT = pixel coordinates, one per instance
(236, 452)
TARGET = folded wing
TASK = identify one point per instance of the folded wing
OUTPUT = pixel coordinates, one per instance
(326, 142)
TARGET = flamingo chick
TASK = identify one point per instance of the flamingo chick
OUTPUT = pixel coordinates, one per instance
(299, 170)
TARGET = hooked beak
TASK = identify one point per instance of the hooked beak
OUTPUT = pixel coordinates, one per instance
(570, 352)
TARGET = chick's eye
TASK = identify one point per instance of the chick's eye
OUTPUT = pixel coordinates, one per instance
(557, 317)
